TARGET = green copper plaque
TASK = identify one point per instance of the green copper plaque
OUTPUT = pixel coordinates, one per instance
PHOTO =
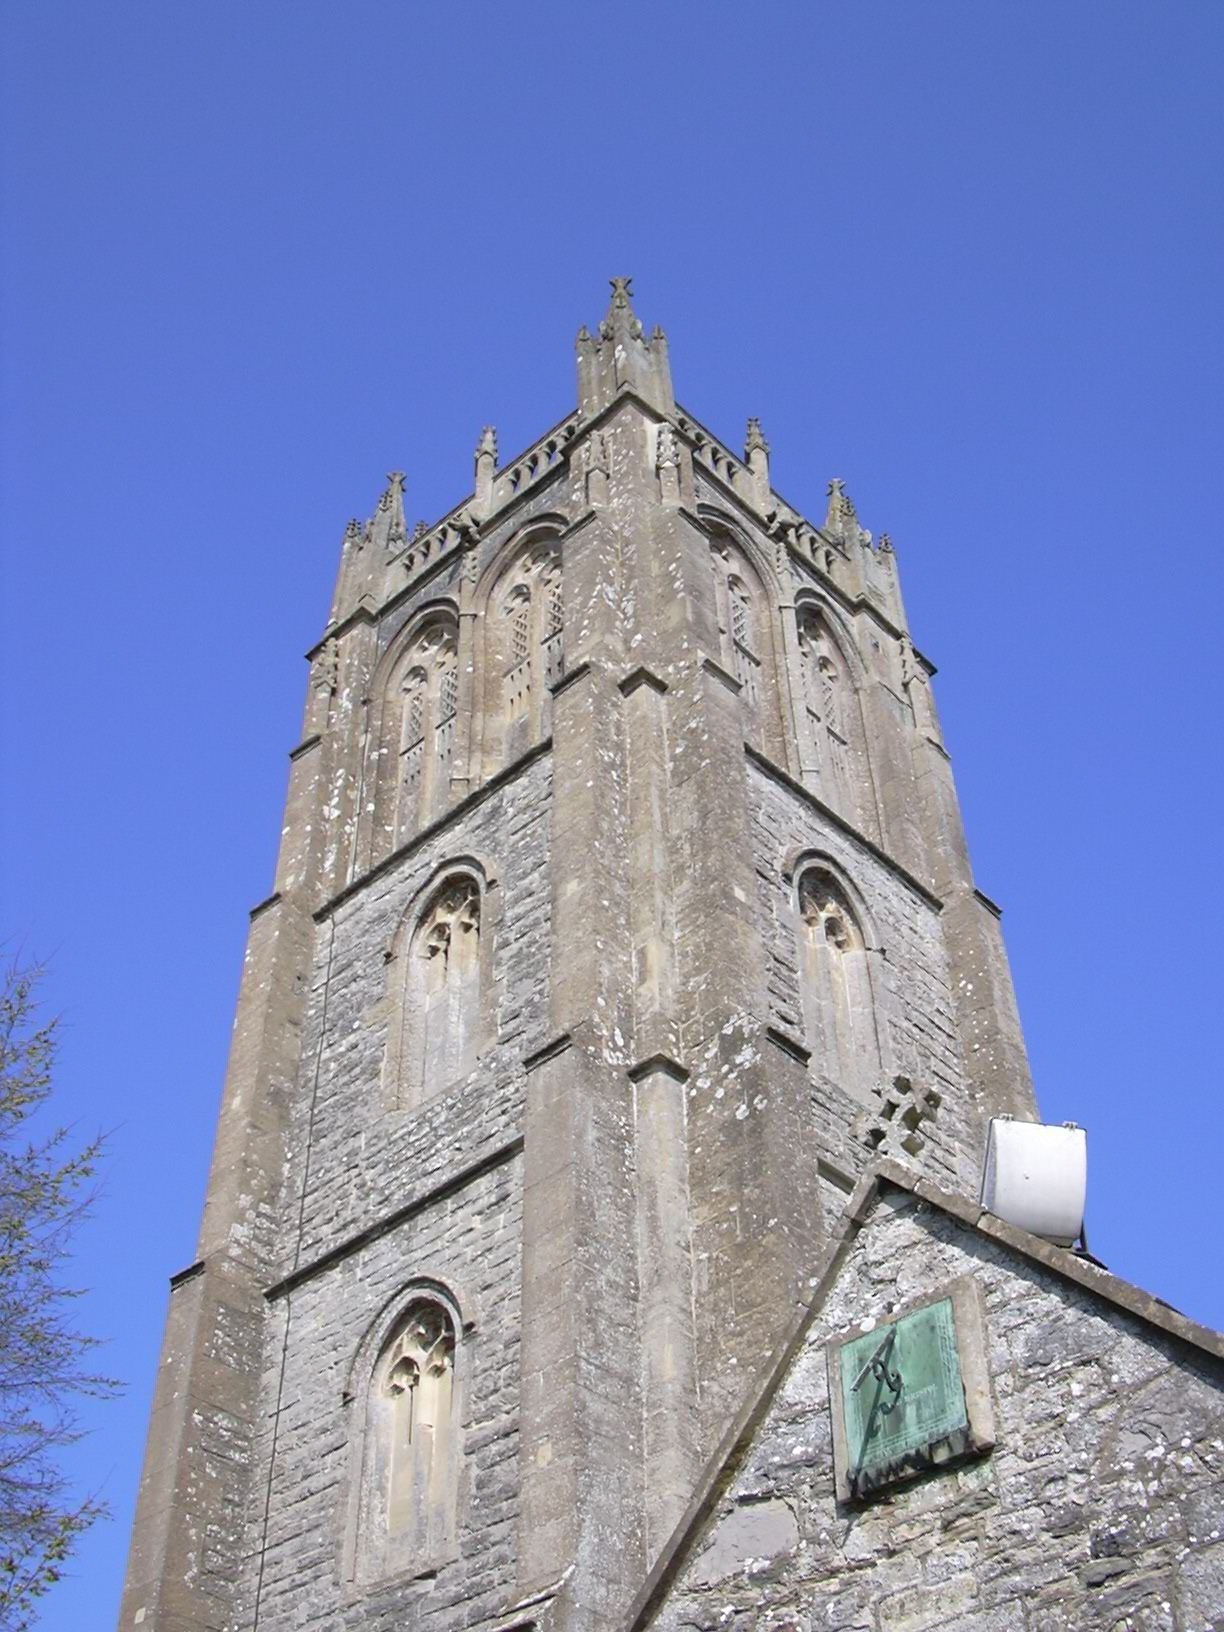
(902, 1397)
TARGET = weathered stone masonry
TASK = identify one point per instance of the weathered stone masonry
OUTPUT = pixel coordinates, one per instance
(470, 1241)
(1100, 1506)
(347, 1023)
(622, 922)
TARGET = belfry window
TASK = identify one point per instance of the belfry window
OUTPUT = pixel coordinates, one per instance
(829, 702)
(838, 1000)
(738, 635)
(427, 696)
(531, 646)
(550, 640)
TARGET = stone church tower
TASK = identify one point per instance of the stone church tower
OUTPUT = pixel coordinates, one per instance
(623, 919)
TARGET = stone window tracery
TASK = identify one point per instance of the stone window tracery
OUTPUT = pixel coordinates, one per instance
(409, 1448)
(829, 702)
(737, 623)
(425, 696)
(438, 1021)
(448, 693)
(838, 1000)
(554, 665)
(418, 1380)
(412, 735)
(447, 978)
(530, 640)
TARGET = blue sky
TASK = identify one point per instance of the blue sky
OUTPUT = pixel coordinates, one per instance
(966, 256)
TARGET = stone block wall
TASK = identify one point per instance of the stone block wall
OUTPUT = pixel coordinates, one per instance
(378, 1199)
(1099, 1508)
(910, 977)
(300, 1555)
(351, 1159)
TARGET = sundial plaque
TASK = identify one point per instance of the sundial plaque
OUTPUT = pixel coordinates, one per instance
(910, 1392)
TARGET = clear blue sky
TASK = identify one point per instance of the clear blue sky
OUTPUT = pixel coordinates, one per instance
(966, 256)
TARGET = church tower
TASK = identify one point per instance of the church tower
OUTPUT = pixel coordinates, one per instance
(622, 919)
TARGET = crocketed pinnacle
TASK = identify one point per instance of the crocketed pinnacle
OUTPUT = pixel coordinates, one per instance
(840, 512)
(621, 318)
(389, 529)
(621, 356)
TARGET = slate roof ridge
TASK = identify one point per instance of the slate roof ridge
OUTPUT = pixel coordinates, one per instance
(881, 1175)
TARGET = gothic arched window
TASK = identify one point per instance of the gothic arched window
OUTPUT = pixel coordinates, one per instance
(831, 704)
(418, 1379)
(738, 632)
(838, 1001)
(446, 981)
(439, 997)
(409, 1447)
(419, 729)
(529, 644)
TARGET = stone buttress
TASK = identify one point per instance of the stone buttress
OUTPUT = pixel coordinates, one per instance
(623, 917)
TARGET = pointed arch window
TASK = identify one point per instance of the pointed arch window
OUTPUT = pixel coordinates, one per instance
(530, 643)
(838, 998)
(440, 998)
(446, 978)
(738, 633)
(409, 1447)
(424, 695)
(829, 702)
(418, 1380)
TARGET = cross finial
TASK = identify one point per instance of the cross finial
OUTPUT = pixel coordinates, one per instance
(621, 320)
(394, 495)
(840, 515)
(619, 357)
